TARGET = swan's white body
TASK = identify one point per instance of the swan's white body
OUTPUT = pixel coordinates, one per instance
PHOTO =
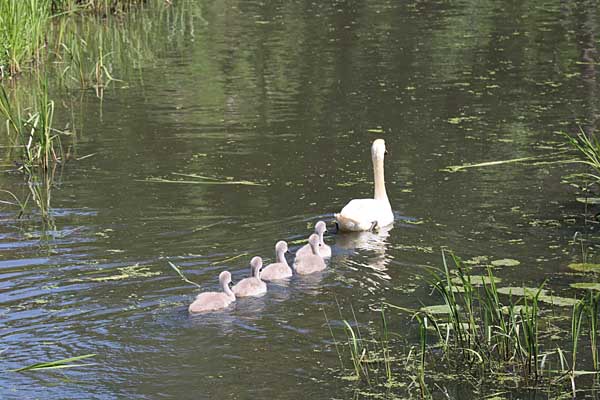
(213, 301)
(253, 286)
(313, 262)
(366, 214)
(324, 249)
(279, 269)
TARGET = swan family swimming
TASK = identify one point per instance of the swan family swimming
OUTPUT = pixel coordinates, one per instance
(357, 215)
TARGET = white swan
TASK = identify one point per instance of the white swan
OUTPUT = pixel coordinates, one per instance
(252, 286)
(367, 214)
(312, 262)
(279, 269)
(325, 250)
(212, 301)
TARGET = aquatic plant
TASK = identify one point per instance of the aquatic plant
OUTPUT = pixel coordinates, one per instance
(589, 150)
(477, 335)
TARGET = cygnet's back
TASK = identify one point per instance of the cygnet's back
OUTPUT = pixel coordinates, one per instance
(309, 263)
(324, 250)
(253, 286)
(213, 301)
(279, 269)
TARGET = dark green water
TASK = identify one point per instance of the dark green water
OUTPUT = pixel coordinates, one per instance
(290, 95)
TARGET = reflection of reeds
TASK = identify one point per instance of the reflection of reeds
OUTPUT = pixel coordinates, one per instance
(31, 130)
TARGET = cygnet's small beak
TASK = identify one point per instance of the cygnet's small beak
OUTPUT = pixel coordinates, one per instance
(288, 252)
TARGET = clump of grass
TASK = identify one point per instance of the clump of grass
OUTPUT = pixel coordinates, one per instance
(23, 25)
(589, 149)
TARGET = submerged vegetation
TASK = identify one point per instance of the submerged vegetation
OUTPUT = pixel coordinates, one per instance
(475, 336)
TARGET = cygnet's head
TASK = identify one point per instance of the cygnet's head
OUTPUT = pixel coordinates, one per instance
(281, 247)
(224, 278)
(315, 243)
(320, 227)
(256, 265)
(378, 150)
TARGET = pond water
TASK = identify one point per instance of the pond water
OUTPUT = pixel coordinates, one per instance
(290, 95)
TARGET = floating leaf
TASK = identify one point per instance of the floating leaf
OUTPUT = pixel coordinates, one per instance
(477, 280)
(585, 267)
(436, 309)
(543, 296)
(505, 262)
(521, 291)
(586, 285)
(588, 200)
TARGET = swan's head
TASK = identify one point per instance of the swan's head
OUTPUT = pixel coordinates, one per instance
(320, 228)
(378, 150)
(224, 278)
(315, 243)
(281, 247)
(256, 265)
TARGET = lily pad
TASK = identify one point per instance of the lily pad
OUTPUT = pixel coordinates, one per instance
(588, 200)
(543, 297)
(586, 285)
(558, 300)
(437, 309)
(477, 280)
(521, 291)
(585, 267)
(505, 262)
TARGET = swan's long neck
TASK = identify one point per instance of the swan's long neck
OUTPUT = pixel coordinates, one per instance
(315, 250)
(228, 290)
(321, 238)
(281, 257)
(256, 272)
(379, 179)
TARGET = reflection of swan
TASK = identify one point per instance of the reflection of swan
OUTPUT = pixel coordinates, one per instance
(325, 250)
(310, 263)
(372, 243)
(252, 286)
(367, 214)
(364, 240)
(279, 269)
(212, 301)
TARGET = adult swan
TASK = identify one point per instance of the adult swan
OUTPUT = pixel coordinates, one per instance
(369, 214)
